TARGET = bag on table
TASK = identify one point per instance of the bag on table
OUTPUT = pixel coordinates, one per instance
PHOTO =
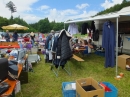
(13, 72)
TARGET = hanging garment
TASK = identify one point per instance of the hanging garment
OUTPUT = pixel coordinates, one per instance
(85, 26)
(73, 28)
(108, 43)
(48, 38)
(120, 41)
(92, 27)
(48, 48)
(54, 43)
(50, 55)
(63, 49)
(96, 35)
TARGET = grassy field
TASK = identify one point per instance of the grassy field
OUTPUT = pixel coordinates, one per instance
(44, 83)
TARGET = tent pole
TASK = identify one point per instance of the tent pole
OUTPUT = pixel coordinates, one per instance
(116, 46)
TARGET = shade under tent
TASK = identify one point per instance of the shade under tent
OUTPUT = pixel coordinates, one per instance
(112, 17)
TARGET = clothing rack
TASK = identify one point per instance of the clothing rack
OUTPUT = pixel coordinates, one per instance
(56, 72)
(59, 58)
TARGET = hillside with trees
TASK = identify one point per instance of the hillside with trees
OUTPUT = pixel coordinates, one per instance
(44, 25)
(115, 8)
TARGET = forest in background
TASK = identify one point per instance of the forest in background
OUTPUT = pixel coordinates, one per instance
(45, 26)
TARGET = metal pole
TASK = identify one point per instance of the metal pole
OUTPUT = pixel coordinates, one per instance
(116, 45)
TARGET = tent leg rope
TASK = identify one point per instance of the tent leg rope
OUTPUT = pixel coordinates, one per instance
(116, 46)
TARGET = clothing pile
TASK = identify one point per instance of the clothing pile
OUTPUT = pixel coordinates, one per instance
(60, 48)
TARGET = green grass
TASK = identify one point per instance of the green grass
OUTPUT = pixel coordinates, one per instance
(43, 82)
(79, 35)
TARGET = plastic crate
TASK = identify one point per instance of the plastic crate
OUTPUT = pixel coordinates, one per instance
(114, 91)
(100, 53)
(68, 93)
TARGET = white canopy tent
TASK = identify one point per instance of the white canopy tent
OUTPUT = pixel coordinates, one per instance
(122, 15)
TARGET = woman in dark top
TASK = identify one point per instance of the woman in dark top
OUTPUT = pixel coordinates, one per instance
(32, 35)
(7, 37)
(15, 36)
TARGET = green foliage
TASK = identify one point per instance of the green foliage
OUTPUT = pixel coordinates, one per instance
(52, 24)
(58, 26)
(79, 26)
(124, 1)
(3, 22)
(45, 26)
(66, 26)
(17, 20)
(115, 8)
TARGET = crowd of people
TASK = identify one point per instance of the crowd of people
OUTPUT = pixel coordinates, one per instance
(27, 40)
(9, 37)
(82, 43)
(14, 36)
(75, 42)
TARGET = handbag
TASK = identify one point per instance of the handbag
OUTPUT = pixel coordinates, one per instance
(12, 62)
(13, 72)
(4, 87)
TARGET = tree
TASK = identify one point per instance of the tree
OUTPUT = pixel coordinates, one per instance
(52, 24)
(124, 1)
(11, 20)
(3, 22)
(114, 8)
(58, 26)
(44, 25)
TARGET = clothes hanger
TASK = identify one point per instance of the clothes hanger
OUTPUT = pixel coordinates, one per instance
(109, 21)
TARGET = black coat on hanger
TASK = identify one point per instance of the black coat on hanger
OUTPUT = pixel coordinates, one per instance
(92, 27)
(85, 26)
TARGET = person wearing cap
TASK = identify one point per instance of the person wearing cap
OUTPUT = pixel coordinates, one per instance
(52, 32)
(7, 36)
(32, 35)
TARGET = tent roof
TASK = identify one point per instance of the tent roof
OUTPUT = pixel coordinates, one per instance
(123, 12)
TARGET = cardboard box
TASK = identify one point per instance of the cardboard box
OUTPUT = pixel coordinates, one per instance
(123, 60)
(128, 61)
(80, 92)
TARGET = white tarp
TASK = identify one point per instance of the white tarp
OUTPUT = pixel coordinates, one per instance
(122, 13)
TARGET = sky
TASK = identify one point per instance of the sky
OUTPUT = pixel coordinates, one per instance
(55, 10)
